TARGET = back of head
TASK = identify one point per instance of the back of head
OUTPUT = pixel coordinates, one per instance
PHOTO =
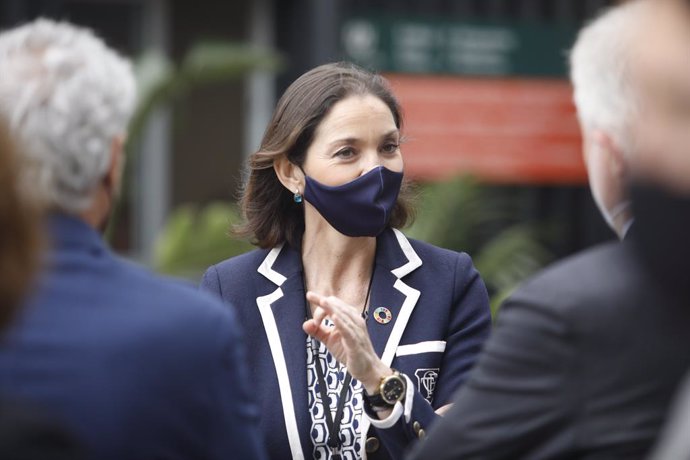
(600, 62)
(66, 96)
(19, 233)
(661, 190)
(664, 124)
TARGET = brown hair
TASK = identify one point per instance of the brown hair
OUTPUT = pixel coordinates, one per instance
(270, 213)
(19, 234)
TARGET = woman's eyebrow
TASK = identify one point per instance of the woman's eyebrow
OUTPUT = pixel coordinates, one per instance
(345, 140)
(354, 140)
(392, 133)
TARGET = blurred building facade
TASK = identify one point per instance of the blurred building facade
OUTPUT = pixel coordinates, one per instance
(511, 50)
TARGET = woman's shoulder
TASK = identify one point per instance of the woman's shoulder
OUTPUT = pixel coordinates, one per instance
(236, 271)
(447, 271)
(249, 261)
(438, 255)
(438, 265)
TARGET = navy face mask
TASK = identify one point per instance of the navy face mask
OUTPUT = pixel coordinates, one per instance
(362, 207)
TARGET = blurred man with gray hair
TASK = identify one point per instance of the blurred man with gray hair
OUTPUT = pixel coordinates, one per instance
(662, 170)
(607, 102)
(134, 366)
(586, 355)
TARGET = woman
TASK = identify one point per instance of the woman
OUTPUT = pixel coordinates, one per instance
(338, 305)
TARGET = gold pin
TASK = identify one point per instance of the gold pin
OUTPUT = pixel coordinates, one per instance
(382, 315)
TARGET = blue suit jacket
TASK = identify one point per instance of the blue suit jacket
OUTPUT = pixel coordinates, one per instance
(440, 319)
(136, 367)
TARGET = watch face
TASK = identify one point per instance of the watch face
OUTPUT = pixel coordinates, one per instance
(393, 389)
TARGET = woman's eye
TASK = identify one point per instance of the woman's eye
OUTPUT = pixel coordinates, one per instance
(345, 153)
(390, 148)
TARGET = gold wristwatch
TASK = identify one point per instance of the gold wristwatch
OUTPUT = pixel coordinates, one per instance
(391, 389)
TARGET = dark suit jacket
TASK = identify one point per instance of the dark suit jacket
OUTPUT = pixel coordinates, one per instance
(134, 366)
(440, 314)
(673, 442)
(582, 364)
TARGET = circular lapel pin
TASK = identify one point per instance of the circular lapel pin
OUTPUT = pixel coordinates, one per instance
(382, 315)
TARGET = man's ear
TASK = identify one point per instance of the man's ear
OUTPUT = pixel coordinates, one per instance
(117, 163)
(616, 160)
(289, 174)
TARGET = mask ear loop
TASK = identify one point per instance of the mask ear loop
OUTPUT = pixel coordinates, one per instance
(611, 216)
(620, 208)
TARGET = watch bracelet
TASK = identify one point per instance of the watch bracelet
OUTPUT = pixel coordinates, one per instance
(376, 400)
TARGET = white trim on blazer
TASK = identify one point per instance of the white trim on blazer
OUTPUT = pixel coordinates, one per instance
(432, 346)
(264, 304)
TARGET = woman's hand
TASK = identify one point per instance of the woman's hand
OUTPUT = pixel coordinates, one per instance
(348, 341)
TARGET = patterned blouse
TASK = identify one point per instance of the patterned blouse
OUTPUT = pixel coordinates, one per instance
(334, 375)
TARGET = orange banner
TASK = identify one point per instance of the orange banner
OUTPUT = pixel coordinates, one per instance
(499, 130)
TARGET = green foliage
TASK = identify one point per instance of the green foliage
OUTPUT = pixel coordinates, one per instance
(455, 214)
(194, 239)
(485, 222)
(509, 258)
(161, 82)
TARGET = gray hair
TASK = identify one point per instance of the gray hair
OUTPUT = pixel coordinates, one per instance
(601, 74)
(67, 96)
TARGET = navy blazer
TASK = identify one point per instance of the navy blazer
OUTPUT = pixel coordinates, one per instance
(134, 366)
(441, 318)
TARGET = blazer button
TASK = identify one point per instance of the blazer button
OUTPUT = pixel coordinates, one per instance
(421, 434)
(372, 445)
(416, 427)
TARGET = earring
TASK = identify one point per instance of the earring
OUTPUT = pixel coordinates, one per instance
(297, 197)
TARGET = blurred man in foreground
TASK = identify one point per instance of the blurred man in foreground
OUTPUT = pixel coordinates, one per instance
(607, 102)
(134, 366)
(662, 170)
(587, 355)
(662, 164)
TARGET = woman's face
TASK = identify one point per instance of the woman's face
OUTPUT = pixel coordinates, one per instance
(357, 135)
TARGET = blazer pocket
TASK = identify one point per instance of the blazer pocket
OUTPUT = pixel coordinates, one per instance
(422, 363)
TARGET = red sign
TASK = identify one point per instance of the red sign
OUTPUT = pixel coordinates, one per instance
(499, 130)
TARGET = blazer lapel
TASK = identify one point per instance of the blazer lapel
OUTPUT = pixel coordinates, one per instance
(282, 313)
(395, 259)
(383, 295)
